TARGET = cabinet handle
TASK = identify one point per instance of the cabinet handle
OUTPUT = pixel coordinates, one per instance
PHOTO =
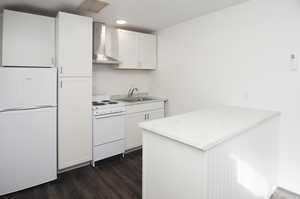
(148, 116)
(61, 70)
(145, 117)
(52, 60)
(61, 83)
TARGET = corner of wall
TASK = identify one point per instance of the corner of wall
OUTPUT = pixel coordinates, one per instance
(1, 39)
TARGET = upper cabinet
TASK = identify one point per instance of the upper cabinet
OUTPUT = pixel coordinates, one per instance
(27, 40)
(74, 45)
(128, 49)
(136, 50)
(147, 51)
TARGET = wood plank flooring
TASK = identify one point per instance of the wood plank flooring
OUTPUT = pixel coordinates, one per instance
(281, 193)
(114, 178)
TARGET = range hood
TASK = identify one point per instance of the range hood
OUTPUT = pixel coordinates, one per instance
(99, 45)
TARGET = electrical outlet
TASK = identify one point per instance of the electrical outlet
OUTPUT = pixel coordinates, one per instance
(293, 63)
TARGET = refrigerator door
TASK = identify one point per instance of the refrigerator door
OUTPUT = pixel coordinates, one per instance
(27, 148)
(27, 87)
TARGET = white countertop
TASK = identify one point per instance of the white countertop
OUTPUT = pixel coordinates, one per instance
(208, 126)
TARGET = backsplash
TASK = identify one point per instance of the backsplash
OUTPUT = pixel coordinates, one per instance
(111, 81)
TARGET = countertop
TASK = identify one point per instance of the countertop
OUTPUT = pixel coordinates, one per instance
(210, 126)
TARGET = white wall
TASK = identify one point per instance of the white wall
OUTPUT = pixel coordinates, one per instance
(115, 82)
(239, 55)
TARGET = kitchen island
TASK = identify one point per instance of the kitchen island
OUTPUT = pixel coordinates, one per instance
(218, 152)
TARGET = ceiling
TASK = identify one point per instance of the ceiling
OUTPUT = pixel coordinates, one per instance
(146, 14)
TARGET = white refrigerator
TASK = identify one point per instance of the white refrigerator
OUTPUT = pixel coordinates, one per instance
(28, 112)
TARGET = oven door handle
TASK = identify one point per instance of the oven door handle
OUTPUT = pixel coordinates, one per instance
(109, 115)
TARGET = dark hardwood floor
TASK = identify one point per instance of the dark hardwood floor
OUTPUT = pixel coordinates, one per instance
(114, 178)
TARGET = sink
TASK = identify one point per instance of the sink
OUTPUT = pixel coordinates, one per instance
(136, 99)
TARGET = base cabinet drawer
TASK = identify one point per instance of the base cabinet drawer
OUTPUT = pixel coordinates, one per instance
(147, 107)
(108, 150)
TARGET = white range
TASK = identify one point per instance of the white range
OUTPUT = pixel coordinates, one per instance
(108, 128)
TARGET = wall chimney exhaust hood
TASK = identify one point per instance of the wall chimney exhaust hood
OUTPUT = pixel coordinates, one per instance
(99, 45)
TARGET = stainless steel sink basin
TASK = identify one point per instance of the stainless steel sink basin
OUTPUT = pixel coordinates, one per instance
(136, 99)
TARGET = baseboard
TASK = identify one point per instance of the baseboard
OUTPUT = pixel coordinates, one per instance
(74, 167)
(133, 149)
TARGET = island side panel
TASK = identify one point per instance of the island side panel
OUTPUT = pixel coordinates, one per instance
(171, 169)
(245, 166)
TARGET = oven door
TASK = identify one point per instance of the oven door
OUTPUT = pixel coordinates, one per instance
(107, 129)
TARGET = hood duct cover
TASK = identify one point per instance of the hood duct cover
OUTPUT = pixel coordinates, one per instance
(99, 45)
(92, 5)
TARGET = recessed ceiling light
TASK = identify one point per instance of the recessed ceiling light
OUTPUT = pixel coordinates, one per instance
(121, 21)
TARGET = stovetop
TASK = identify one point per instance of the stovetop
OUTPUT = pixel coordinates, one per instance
(107, 105)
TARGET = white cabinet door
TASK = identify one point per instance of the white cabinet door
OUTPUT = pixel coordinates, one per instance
(128, 49)
(156, 114)
(133, 132)
(136, 50)
(28, 40)
(74, 121)
(147, 51)
(74, 45)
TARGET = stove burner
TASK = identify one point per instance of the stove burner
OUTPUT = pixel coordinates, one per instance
(105, 101)
(112, 102)
(98, 104)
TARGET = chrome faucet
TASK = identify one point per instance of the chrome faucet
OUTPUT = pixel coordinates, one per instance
(131, 91)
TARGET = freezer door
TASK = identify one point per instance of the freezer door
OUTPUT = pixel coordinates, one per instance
(27, 149)
(27, 87)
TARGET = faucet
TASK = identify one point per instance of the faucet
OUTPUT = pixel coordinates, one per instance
(131, 91)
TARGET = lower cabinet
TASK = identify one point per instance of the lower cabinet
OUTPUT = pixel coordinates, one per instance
(74, 121)
(156, 114)
(133, 131)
